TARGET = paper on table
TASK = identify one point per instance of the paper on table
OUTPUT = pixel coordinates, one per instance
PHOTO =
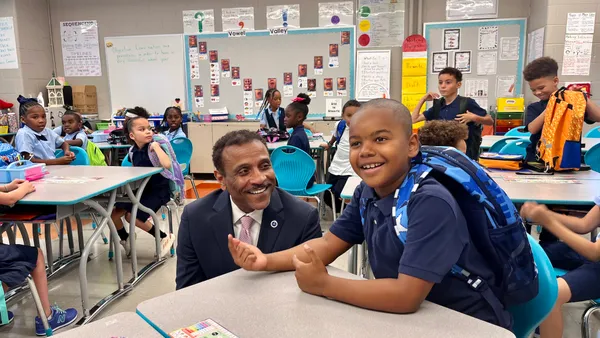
(505, 85)
(577, 54)
(439, 61)
(581, 23)
(509, 48)
(487, 63)
(488, 38)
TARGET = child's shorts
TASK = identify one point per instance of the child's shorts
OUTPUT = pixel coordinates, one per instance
(151, 201)
(583, 277)
(16, 263)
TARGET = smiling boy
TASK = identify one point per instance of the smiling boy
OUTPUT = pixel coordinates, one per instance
(381, 148)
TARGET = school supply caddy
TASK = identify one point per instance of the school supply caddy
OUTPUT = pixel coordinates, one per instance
(560, 144)
(492, 220)
(24, 170)
(501, 161)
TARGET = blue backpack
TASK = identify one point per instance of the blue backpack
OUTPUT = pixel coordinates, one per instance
(340, 130)
(494, 224)
(8, 154)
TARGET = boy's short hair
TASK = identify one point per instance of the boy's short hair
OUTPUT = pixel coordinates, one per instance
(539, 68)
(443, 133)
(457, 74)
(401, 113)
(75, 115)
(350, 103)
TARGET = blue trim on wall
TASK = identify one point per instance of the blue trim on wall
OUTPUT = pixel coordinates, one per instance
(301, 31)
(522, 23)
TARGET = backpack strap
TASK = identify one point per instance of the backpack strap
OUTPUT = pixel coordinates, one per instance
(437, 108)
(462, 104)
(341, 127)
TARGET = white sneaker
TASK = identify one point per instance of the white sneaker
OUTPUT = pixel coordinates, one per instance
(127, 247)
(166, 244)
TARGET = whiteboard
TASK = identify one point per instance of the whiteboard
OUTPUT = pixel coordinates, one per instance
(372, 74)
(146, 71)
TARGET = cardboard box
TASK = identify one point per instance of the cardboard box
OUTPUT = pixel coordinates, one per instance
(85, 99)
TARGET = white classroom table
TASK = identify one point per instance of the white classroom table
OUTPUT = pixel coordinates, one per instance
(262, 304)
(489, 140)
(125, 324)
(82, 188)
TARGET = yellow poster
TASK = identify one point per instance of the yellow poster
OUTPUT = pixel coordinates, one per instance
(414, 67)
(411, 100)
(414, 85)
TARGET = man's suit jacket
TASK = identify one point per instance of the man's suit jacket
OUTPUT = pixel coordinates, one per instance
(202, 251)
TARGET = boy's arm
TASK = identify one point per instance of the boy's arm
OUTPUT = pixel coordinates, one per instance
(592, 110)
(537, 213)
(475, 114)
(76, 142)
(537, 124)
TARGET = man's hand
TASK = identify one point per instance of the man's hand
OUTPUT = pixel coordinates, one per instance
(466, 117)
(535, 213)
(430, 96)
(311, 276)
(246, 256)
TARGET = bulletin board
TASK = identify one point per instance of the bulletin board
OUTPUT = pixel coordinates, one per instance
(464, 36)
(260, 57)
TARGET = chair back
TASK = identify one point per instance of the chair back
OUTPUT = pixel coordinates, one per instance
(516, 147)
(495, 148)
(81, 156)
(594, 133)
(308, 132)
(183, 149)
(517, 131)
(293, 169)
(592, 158)
(529, 315)
(126, 162)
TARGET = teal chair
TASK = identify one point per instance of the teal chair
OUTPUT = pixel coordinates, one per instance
(81, 156)
(516, 147)
(183, 149)
(308, 132)
(585, 319)
(594, 133)
(592, 158)
(528, 316)
(293, 170)
(495, 148)
(518, 131)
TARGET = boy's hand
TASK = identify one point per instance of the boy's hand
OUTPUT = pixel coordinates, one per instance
(466, 117)
(325, 146)
(14, 184)
(69, 154)
(65, 160)
(431, 96)
(311, 276)
(27, 186)
(535, 213)
(246, 256)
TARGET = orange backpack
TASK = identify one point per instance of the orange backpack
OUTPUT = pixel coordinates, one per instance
(560, 144)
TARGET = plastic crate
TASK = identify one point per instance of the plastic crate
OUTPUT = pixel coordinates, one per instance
(100, 136)
(24, 170)
(102, 125)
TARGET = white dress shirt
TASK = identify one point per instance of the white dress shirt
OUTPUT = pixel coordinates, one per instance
(237, 215)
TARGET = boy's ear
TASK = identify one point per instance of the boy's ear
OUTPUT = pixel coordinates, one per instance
(555, 80)
(459, 84)
(413, 145)
(220, 178)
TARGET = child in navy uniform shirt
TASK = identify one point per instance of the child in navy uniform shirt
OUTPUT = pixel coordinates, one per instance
(295, 114)
(381, 148)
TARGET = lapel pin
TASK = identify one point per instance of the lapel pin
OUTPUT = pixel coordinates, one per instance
(274, 224)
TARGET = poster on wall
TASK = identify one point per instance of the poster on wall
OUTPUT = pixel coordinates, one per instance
(238, 19)
(439, 61)
(581, 23)
(80, 48)
(8, 44)
(577, 56)
(505, 86)
(488, 38)
(469, 9)
(286, 16)
(452, 39)
(509, 48)
(535, 47)
(199, 21)
(462, 61)
(373, 74)
(487, 63)
(380, 23)
(334, 14)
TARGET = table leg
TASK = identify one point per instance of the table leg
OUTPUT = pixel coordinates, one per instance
(79, 232)
(88, 314)
(24, 233)
(35, 227)
(70, 235)
(49, 254)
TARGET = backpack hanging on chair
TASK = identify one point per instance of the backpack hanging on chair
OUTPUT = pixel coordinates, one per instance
(560, 144)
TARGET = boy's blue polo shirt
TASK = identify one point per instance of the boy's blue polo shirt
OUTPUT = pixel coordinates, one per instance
(450, 111)
(437, 239)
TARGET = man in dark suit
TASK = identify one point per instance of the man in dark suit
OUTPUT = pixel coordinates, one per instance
(250, 207)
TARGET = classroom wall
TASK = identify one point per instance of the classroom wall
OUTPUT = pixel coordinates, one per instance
(435, 10)
(146, 17)
(11, 82)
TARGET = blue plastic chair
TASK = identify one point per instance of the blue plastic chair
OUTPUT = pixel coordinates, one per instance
(528, 316)
(308, 132)
(81, 156)
(126, 162)
(294, 168)
(495, 148)
(594, 133)
(183, 149)
(585, 319)
(516, 147)
(518, 131)
(592, 158)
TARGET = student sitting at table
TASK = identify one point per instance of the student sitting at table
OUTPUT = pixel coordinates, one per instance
(295, 115)
(341, 169)
(19, 261)
(34, 141)
(157, 191)
(382, 146)
(445, 134)
(574, 253)
(171, 123)
(72, 130)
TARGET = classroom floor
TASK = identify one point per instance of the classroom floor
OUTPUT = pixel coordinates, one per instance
(64, 288)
